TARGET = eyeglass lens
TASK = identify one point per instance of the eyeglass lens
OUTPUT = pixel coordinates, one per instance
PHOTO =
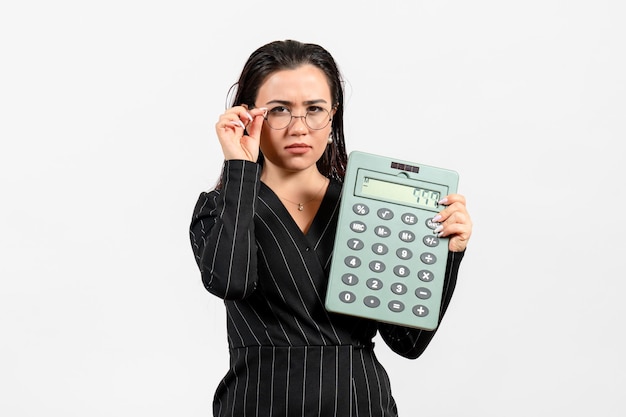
(314, 119)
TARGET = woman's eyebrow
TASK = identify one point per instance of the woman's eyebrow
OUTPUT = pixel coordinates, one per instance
(289, 103)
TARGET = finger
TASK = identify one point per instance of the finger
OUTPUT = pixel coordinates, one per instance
(255, 126)
(457, 223)
(237, 123)
(229, 121)
(451, 199)
(451, 224)
(261, 111)
(452, 203)
(458, 234)
(239, 113)
(444, 214)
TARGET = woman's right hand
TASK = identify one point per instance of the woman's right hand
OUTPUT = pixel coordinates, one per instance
(230, 132)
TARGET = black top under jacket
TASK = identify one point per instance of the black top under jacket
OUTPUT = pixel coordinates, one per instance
(288, 355)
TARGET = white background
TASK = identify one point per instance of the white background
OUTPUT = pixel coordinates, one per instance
(106, 116)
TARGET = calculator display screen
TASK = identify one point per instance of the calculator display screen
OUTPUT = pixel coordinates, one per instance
(403, 194)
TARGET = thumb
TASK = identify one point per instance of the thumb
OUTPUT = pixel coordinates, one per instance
(254, 127)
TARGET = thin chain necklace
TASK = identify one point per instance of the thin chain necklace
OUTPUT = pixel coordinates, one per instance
(301, 205)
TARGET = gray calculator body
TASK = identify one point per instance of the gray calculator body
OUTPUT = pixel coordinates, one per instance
(388, 265)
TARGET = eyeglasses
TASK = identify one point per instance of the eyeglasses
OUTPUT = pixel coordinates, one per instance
(315, 118)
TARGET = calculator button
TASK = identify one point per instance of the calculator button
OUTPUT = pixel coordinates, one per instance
(409, 218)
(401, 271)
(406, 236)
(420, 311)
(430, 224)
(404, 253)
(423, 293)
(385, 214)
(425, 275)
(382, 231)
(374, 284)
(396, 306)
(430, 241)
(377, 266)
(358, 227)
(355, 244)
(360, 209)
(350, 279)
(379, 249)
(371, 301)
(428, 258)
(352, 261)
(347, 297)
(398, 288)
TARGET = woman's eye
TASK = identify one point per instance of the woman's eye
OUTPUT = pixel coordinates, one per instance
(315, 109)
(279, 110)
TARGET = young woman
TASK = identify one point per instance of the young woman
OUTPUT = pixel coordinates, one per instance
(263, 240)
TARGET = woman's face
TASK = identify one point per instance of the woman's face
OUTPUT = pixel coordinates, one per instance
(304, 89)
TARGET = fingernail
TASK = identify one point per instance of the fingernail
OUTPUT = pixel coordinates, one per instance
(238, 123)
(443, 201)
(438, 230)
(249, 116)
(436, 218)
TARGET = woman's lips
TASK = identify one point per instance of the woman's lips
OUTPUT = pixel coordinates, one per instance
(298, 148)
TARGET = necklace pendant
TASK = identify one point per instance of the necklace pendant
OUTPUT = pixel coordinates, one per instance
(300, 206)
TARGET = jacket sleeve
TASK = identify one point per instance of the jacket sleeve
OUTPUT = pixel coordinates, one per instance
(411, 342)
(222, 232)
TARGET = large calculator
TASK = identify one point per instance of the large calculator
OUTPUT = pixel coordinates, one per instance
(388, 264)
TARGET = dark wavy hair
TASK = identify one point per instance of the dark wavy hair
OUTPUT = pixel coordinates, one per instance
(287, 55)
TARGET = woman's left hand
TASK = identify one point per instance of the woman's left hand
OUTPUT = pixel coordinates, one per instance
(454, 222)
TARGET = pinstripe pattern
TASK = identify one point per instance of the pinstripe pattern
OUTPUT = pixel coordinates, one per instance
(288, 355)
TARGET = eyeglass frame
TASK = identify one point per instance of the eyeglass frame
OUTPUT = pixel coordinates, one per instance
(330, 119)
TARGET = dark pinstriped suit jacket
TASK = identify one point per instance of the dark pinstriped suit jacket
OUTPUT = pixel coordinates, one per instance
(288, 355)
